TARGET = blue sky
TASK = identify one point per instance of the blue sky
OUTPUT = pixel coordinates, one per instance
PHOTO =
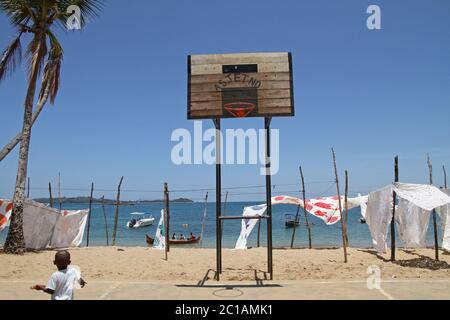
(369, 94)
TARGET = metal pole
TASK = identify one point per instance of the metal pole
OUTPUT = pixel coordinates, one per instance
(268, 197)
(394, 197)
(218, 200)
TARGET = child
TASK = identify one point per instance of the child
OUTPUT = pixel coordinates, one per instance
(61, 284)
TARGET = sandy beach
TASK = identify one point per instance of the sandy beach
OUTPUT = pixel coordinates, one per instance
(145, 264)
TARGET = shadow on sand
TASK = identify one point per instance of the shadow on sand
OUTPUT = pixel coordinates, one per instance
(208, 276)
(421, 262)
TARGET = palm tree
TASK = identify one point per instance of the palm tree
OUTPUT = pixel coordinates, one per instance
(44, 54)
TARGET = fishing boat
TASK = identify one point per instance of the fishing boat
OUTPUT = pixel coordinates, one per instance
(150, 241)
(140, 220)
(291, 221)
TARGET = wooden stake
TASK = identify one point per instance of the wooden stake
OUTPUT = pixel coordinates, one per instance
(116, 215)
(304, 211)
(59, 191)
(445, 177)
(394, 203)
(50, 192)
(224, 212)
(295, 227)
(89, 215)
(28, 189)
(340, 207)
(204, 219)
(345, 216)
(106, 221)
(436, 242)
(166, 220)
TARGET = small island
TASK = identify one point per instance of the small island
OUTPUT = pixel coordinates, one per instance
(85, 200)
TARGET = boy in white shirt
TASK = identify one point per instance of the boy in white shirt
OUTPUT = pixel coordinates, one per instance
(63, 282)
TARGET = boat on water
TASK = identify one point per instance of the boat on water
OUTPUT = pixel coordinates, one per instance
(150, 241)
(140, 220)
(291, 221)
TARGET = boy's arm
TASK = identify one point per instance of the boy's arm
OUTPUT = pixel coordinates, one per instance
(41, 287)
(82, 283)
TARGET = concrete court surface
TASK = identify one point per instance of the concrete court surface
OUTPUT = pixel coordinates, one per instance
(267, 290)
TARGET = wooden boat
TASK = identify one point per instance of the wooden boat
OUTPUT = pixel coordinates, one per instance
(291, 222)
(151, 241)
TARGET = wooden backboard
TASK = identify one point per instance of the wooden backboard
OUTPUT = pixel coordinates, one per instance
(240, 85)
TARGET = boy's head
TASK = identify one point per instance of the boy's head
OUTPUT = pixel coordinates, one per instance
(62, 259)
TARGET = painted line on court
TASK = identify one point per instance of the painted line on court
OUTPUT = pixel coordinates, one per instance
(113, 287)
(384, 293)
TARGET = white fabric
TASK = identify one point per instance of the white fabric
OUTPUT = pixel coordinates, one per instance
(44, 226)
(379, 216)
(412, 223)
(444, 213)
(5, 213)
(63, 283)
(249, 224)
(415, 203)
(160, 238)
(69, 229)
(424, 196)
(38, 224)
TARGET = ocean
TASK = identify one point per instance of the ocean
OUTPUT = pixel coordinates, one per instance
(187, 217)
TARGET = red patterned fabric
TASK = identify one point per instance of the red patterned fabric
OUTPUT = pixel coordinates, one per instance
(5, 213)
(326, 209)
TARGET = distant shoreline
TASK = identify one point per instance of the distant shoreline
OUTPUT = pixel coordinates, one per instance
(84, 200)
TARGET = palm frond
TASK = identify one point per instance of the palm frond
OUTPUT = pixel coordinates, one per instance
(35, 54)
(11, 57)
(19, 11)
(52, 70)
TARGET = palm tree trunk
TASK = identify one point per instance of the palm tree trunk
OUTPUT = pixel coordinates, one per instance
(15, 242)
(15, 141)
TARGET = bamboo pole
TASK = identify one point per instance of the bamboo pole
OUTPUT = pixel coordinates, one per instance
(340, 206)
(345, 216)
(106, 221)
(28, 189)
(166, 220)
(116, 215)
(50, 193)
(89, 215)
(445, 177)
(204, 219)
(394, 202)
(436, 242)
